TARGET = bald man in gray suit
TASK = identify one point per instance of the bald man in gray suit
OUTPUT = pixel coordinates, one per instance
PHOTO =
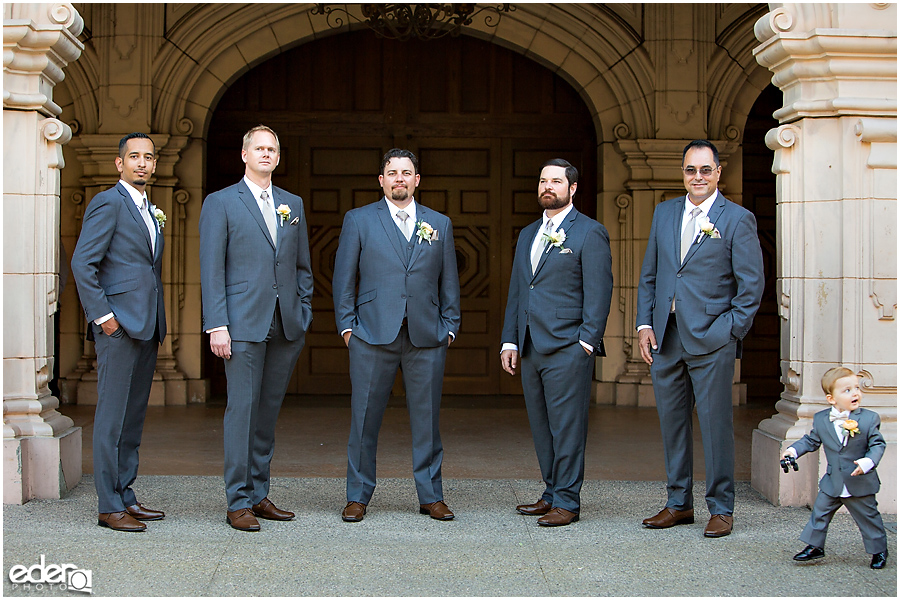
(257, 306)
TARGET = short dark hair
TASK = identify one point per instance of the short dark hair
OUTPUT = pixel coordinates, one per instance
(399, 153)
(571, 171)
(137, 135)
(701, 144)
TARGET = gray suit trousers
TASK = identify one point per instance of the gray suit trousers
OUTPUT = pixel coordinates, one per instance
(863, 509)
(681, 380)
(258, 374)
(125, 373)
(372, 372)
(557, 390)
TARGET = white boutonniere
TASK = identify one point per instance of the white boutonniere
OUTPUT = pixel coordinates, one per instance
(707, 228)
(160, 217)
(555, 239)
(283, 211)
(426, 232)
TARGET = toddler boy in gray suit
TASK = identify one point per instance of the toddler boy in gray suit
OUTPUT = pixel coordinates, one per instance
(853, 447)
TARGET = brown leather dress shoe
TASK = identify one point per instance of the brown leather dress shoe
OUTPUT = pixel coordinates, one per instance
(120, 521)
(242, 519)
(669, 517)
(557, 517)
(142, 513)
(436, 510)
(541, 507)
(719, 526)
(266, 510)
(353, 512)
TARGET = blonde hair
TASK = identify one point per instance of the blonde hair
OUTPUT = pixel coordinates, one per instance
(831, 376)
(248, 137)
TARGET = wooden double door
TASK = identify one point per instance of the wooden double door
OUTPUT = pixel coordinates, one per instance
(481, 120)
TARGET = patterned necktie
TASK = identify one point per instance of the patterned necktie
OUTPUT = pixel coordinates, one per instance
(401, 214)
(538, 248)
(687, 236)
(269, 215)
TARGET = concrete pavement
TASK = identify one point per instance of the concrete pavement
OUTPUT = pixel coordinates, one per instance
(488, 550)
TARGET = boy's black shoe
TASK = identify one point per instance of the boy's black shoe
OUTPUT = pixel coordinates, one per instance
(811, 553)
(879, 560)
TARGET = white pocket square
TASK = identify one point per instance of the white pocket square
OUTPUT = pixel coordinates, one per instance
(295, 221)
(566, 251)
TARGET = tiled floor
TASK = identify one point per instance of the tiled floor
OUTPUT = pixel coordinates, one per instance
(485, 437)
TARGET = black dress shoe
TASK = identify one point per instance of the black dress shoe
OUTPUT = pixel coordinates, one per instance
(809, 553)
(879, 560)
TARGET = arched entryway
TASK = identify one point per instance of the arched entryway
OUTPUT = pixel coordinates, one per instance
(481, 119)
(760, 364)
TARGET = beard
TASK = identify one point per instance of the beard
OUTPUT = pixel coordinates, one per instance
(399, 194)
(550, 201)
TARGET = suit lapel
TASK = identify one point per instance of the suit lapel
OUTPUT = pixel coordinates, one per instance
(422, 216)
(677, 219)
(279, 224)
(136, 215)
(249, 201)
(389, 230)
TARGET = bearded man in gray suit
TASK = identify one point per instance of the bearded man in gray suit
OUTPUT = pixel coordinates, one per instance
(560, 291)
(117, 265)
(401, 258)
(257, 289)
(701, 284)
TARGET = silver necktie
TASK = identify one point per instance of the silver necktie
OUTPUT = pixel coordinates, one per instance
(269, 215)
(539, 247)
(149, 222)
(687, 236)
(401, 214)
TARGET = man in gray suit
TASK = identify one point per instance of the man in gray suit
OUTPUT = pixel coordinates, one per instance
(116, 265)
(400, 257)
(257, 288)
(700, 287)
(560, 291)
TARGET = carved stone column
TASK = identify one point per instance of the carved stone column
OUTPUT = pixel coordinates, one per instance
(836, 167)
(654, 176)
(41, 447)
(97, 154)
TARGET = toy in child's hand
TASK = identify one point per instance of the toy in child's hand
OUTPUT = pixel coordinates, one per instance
(787, 462)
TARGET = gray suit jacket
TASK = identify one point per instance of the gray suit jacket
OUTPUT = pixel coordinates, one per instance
(568, 297)
(242, 272)
(371, 258)
(867, 443)
(114, 267)
(717, 288)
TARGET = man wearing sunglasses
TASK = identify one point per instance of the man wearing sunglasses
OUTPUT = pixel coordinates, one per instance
(700, 287)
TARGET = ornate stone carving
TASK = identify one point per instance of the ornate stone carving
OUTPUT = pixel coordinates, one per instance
(622, 131)
(36, 51)
(777, 21)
